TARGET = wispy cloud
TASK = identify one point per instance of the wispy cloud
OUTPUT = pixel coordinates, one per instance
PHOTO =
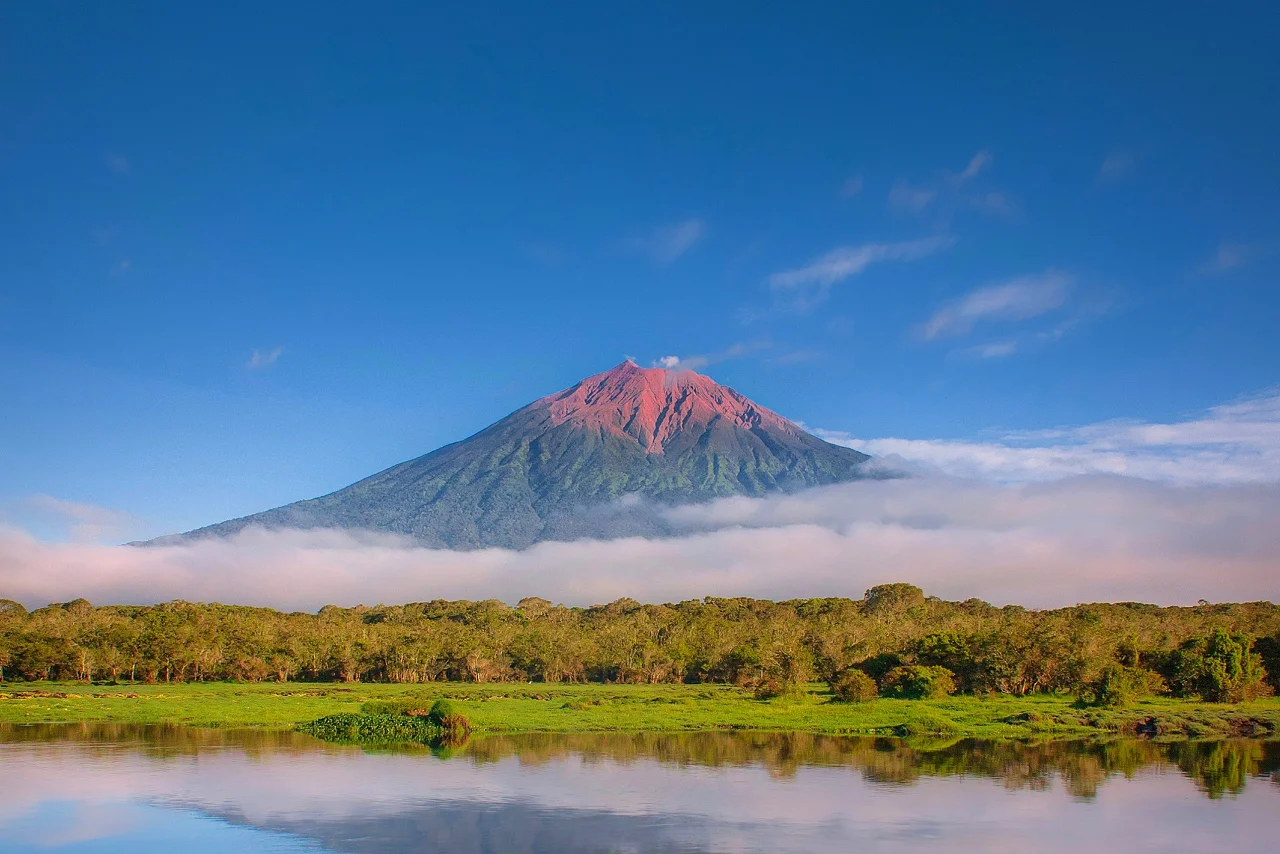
(119, 164)
(1016, 299)
(846, 261)
(992, 350)
(105, 235)
(905, 198)
(995, 202)
(953, 191)
(1229, 444)
(83, 522)
(851, 187)
(263, 358)
(1116, 166)
(1232, 256)
(120, 268)
(702, 360)
(666, 243)
(807, 286)
(977, 163)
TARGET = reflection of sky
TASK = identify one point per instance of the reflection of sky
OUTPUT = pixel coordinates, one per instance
(66, 796)
(125, 826)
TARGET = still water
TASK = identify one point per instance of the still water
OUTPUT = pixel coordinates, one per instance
(137, 789)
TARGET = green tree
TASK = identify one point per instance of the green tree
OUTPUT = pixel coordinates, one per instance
(892, 598)
(853, 686)
(918, 682)
(1269, 651)
(1219, 667)
(1117, 686)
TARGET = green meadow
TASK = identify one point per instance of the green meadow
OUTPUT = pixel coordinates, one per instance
(581, 708)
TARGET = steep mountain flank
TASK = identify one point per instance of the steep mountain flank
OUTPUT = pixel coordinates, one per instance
(599, 459)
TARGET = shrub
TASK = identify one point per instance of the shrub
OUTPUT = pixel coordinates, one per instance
(926, 723)
(853, 686)
(878, 665)
(768, 689)
(1119, 686)
(455, 723)
(949, 650)
(918, 682)
(1269, 650)
(444, 714)
(1220, 667)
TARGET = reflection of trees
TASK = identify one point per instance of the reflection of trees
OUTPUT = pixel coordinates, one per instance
(1221, 767)
(160, 740)
(1218, 768)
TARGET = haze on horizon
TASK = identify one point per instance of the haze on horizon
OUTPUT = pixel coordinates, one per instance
(1026, 259)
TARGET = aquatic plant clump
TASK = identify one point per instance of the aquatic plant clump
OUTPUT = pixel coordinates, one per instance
(441, 725)
(372, 729)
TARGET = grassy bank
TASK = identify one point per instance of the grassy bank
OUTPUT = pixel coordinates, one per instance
(525, 708)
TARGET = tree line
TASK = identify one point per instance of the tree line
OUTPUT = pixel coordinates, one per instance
(895, 641)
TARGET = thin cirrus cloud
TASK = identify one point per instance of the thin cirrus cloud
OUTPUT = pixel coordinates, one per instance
(851, 187)
(954, 191)
(846, 261)
(1017, 299)
(995, 202)
(905, 198)
(264, 358)
(1116, 166)
(82, 522)
(1232, 256)
(666, 243)
(992, 350)
(977, 163)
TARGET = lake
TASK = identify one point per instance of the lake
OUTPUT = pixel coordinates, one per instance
(107, 788)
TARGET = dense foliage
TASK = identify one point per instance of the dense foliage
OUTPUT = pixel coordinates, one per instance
(372, 729)
(909, 644)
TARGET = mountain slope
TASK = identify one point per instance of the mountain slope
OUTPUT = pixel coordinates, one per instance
(557, 468)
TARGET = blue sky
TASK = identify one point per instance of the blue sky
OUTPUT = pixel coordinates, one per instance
(251, 254)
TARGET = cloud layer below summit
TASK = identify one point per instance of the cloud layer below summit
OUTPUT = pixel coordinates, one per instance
(1159, 512)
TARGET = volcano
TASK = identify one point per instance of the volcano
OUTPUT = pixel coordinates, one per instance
(603, 458)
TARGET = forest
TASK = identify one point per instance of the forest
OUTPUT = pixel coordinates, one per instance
(895, 641)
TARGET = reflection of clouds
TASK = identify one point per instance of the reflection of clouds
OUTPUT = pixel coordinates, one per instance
(58, 822)
(352, 801)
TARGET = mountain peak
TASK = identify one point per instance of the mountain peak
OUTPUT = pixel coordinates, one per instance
(557, 468)
(654, 406)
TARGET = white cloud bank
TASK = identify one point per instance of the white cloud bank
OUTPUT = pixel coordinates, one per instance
(1123, 510)
(1036, 544)
(1235, 443)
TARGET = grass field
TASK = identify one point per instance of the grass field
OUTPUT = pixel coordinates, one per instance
(528, 708)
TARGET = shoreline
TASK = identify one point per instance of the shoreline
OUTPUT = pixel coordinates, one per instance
(524, 708)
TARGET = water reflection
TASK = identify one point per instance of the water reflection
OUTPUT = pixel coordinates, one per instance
(114, 787)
